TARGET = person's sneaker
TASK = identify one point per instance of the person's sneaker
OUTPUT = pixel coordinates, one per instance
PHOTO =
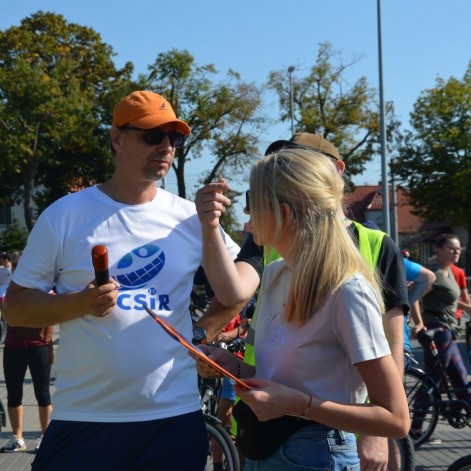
(434, 441)
(14, 445)
(38, 443)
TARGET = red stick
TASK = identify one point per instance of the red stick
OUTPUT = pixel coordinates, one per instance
(100, 264)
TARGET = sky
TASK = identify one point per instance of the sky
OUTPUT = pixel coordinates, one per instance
(421, 40)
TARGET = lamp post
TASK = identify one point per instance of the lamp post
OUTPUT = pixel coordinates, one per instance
(291, 69)
(382, 123)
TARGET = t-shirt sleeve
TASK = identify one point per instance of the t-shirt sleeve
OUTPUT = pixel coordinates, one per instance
(391, 267)
(252, 254)
(40, 261)
(412, 270)
(357, 322)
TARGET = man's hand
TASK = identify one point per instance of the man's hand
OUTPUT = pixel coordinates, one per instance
(100, 300)
(220, 356)
(373, 453)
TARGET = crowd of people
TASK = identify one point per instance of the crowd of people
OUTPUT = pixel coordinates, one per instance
(324, 350)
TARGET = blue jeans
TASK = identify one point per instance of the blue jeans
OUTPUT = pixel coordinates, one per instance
(315, 447)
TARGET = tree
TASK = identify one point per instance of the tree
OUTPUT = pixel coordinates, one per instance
(57, 86)
(435, 160)
(223, 115)
(324, 103)
(13, 237)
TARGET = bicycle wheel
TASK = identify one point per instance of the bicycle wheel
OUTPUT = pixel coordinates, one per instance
(219, 437)
(401, 455)
(462, 464)
(424, 405)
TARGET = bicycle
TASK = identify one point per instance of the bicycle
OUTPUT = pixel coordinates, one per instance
(210, 391)
(218, 436)
(427, 403)
(401, 454)
(461, 464)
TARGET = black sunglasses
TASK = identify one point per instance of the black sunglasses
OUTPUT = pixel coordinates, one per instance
(155, 136)
(247, 200)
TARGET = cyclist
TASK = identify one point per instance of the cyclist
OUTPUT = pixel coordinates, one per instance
(439, 308)
(420, 281)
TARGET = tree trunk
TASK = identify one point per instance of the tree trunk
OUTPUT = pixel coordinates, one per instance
(28, 188)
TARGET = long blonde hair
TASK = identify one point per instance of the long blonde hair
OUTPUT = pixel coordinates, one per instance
(324, 255)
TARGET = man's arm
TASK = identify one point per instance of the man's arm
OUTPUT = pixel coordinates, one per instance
(421, 285)
(217, 315)
(393, 322)
(26, 307)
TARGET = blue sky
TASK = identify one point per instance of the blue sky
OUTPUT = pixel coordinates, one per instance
(422, 40)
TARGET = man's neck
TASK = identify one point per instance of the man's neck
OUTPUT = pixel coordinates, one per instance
(127, 194)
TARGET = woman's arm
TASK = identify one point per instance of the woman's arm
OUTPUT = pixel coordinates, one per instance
(226, 279)
(386, 415)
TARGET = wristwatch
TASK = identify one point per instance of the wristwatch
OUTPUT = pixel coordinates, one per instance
(199, 336)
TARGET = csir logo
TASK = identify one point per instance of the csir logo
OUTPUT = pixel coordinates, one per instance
(138, 267)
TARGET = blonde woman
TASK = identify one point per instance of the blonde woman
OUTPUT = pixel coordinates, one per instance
(319, 342)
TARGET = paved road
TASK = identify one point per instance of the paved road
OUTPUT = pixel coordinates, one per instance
(455, 443)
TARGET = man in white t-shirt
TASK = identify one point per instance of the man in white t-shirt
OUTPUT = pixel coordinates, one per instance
(126, 392)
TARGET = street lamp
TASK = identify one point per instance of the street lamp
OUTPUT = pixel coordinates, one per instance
(291, 69)
(384, 163)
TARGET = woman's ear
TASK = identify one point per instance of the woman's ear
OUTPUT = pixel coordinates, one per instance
(287, 215)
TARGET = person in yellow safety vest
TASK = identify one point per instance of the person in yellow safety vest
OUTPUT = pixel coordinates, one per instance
(377, 248)
(293, 199)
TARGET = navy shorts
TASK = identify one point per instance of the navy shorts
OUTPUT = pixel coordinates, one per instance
(175, 444)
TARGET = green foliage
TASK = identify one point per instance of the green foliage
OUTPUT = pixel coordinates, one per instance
(229, 220)
(325, 103)
(223, 115)
(435, 160)
(13, 237)
(57, 86)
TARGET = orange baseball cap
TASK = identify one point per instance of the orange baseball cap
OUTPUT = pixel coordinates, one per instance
(146, 110)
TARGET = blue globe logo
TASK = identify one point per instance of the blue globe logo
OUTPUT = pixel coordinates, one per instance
(138, 267)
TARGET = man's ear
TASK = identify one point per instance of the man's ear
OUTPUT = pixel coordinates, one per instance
(340, 167)
(115, 134)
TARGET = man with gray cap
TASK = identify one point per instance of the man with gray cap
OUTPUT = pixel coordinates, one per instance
(126, 392)
(378, 249)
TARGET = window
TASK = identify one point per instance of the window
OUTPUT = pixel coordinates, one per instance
(5, 215)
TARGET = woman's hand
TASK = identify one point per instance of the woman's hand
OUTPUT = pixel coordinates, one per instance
(270, 400)
(211, 203)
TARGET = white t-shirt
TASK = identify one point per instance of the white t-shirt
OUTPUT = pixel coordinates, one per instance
(122, 367)
(5, 278)
(318, 357)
